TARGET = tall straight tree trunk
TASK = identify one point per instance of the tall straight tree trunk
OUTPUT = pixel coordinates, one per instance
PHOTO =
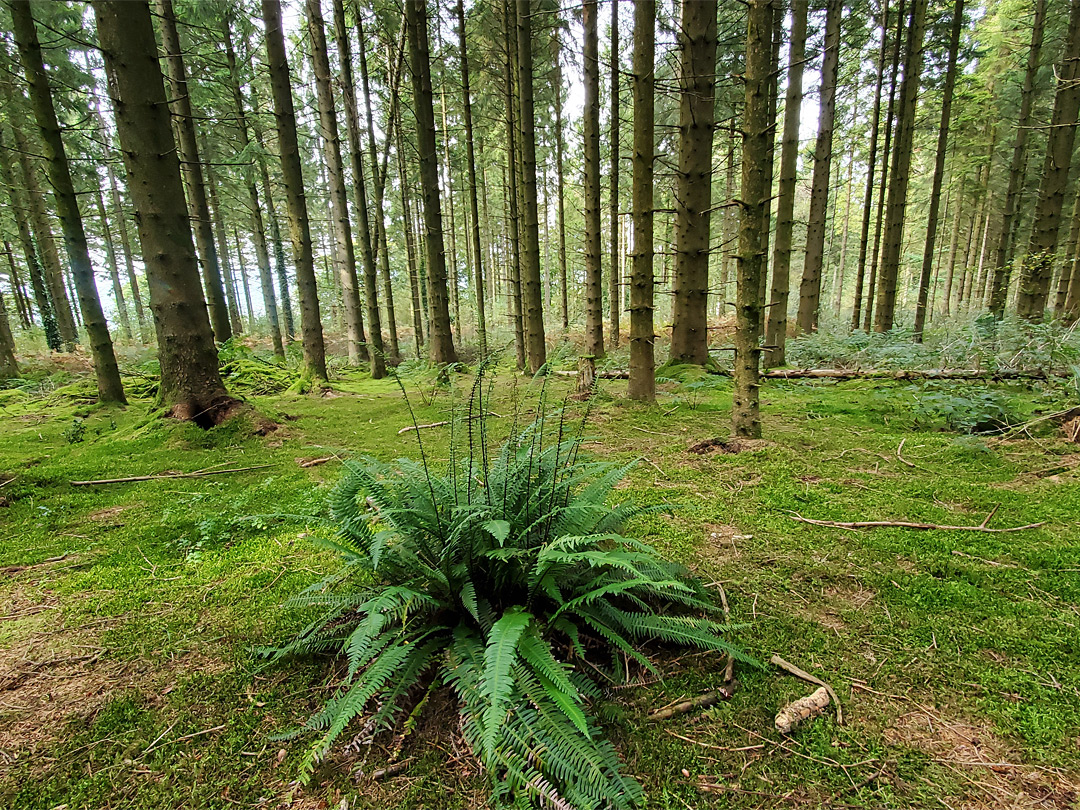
(367, 250)
(730, 227)
(110, 260)
(693, 188)
(191, 386)
(886, 153)
(954, 243)
(1002, 261)
(125, 248)
(871, 166)
(757, 130)
(776, 329)
(244, 278)
(810, 287)
(594, 318)
(410, 246)
(841, 265)
(901, 166)
(1062, 292)
(564, 302)
(531, 284)
(1071, 310)
(43, 236)
(38, 285)
(379, 180)
(258, 231)
(776, 9)
(292, 174)
(22, 304)
(221, 237)
(613, 185)
(339, 196)
(1038, 263)
(939, 171)
(513, 200)
(193, 173)
(288, 323)
(470, 154)
(642, 385)
(440, 340)
(8, 367)
(110, 388)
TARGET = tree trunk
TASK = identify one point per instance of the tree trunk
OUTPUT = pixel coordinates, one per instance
(244, 281)
(901, 166)
(841, 265)
(110, 388)
(367, 251)
(8, 367)
(810, 287)
(441, 339)
(22, 304)
(1038, 263)
(871, 166)
(474, 208)
(564, 302)
(60, 304)
(278, 65)
(125, 248)
(379, 179)
(221, 236)
(776, 9)
(345, 258)
(193, 173)
(410, 245)
(594, 318)
(110, 260)
(532, 304)
(886, 153)
(939, 170)
(1003, 257)
(757, 130)
(513, 177)
(1062, 293)
(613, 185)
(642, 384)
(258, 232)
(954, 243)
(693, 188)
(776, 329)
(37, 278)
(191, 386)
(284, 298)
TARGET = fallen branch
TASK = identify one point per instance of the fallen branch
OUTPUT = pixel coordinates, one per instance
(860, 374)
(725, 692)
(791, 669)
(407, 428)
(801, 710)
(165, 476)
(391, 770)
(903, 524)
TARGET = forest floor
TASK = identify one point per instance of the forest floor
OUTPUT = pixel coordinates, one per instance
(128, 612)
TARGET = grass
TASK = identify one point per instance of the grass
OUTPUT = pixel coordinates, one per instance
(127, 678)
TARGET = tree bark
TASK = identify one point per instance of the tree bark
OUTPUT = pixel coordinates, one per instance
(110, 388)
(532, 305)
(901, 166)
(410, 245)
(1038, 263)
(871, 166)
(38, 284)
(693, 190)
(939, 170)
(352, 118)
(1065, 278)
(776, 329)
(757, 129)
(614, 303)
(514, 179)
(440, 340)
(642, 385)
(22, 303)
(810, 287)
(191, 386)
(231, 294)
(110, 260)
(594, 318)
(258, 231)
(564, 302)
(278, 65)
(125, 248)
(193, 173)
(470, 154)
(1006, 242)
(8, 367)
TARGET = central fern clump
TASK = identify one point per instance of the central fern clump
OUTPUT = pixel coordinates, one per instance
(507, 579)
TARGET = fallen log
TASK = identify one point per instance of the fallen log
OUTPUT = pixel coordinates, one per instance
(864, 374)
(904, 524)
(163, 476)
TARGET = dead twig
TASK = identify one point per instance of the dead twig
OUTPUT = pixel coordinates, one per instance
(903, 524)
(791, 669)
(726, 692)
(444, 423)
(391, 770)
(165, 476)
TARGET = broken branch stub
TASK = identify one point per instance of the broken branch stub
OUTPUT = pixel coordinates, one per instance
(800, 710)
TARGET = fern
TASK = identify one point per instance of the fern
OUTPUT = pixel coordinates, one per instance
(506, 579)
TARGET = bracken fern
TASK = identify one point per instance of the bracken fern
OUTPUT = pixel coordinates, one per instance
(505, 578)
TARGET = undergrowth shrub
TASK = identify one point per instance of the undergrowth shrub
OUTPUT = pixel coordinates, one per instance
(507, 578)
(962, 408)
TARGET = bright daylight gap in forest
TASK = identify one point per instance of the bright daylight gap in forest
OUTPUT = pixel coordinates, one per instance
(610, 405)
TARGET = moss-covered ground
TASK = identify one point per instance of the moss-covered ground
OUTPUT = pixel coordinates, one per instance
(128, 612)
